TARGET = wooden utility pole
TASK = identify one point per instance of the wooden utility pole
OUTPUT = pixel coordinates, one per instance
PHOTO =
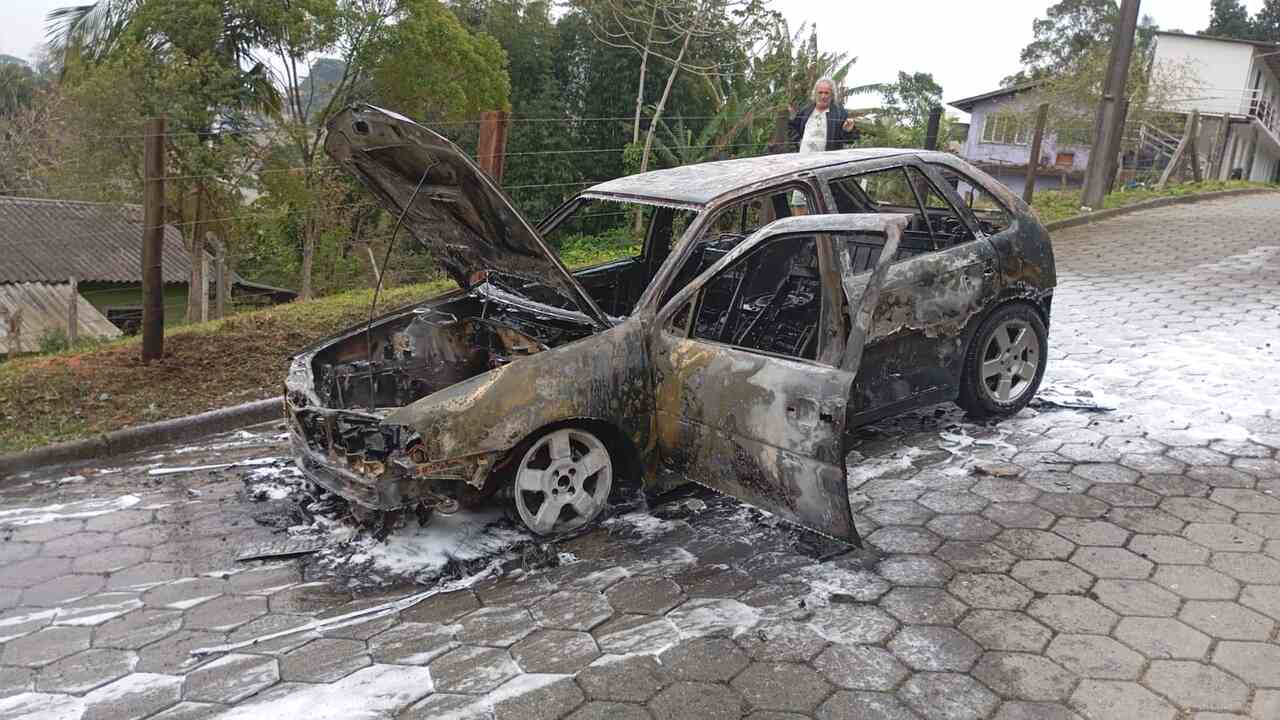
(1219, 152)
(931, 130)
(73, 312)
(492, 148)
(1178, 154)
(1117, 146)
(1109, 120)
(152, 241)
(1033, 162)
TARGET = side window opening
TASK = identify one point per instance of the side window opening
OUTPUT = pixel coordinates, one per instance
(948, 229)
(992, 216)
(935, 224)
(769, 301)
(733, 224)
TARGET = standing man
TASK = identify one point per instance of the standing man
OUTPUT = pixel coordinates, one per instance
(820, 126)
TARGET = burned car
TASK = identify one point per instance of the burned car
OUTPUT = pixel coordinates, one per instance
(771, 304)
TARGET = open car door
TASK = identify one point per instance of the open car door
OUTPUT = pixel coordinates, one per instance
(754, 362)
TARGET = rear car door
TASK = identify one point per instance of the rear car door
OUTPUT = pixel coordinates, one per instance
(753, 363)
(942, 276)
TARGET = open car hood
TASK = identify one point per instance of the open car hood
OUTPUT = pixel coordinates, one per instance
(459, 213)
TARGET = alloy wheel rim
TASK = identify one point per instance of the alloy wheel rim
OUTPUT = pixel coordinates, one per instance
(563, 481)
(1010, 361)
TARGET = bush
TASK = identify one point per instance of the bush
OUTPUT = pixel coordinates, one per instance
(54, 340)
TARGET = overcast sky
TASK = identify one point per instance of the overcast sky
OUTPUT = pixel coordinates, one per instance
(968, 46)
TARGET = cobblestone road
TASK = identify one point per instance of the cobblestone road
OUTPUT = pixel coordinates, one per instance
(1117, 565)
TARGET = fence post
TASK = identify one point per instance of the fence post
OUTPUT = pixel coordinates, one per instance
(1219, 148)
(152, 239)
(73, 312)
(1193, 146)
(1033, 161)
(492, 148)
(931, 130)
(1181, 150)
(220, 279)
(1251, 154)
(15, 332)
(204, 282)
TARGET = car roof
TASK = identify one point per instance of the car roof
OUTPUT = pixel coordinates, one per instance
(701, 183)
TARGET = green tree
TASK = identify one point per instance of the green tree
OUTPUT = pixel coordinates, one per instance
(227, 30)
(907, 105)
(270, 76)
(1229, 18)
(1266, 24)
(17, 84)
(429, 66)
(1071, 33)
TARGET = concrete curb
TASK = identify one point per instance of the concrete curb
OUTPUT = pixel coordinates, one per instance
(1098, 215)
(142, 436)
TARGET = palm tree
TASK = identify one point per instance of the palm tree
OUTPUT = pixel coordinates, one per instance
(786, 75)
(91, 32)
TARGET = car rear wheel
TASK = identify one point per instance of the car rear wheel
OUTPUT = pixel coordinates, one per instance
(563, 481)
(1005, 362)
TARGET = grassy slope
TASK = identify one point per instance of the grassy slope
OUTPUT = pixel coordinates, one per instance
(82, 392)
(1057, 205)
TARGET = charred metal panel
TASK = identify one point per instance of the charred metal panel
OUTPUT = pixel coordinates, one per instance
(922, 321)
(699, 184)
(864, 292)
(765, 430)
(449, 204)
(604, 376)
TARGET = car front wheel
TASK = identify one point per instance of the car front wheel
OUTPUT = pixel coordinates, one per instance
(1005, 362)
(563, 481)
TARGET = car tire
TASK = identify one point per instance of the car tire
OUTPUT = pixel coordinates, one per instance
(1004, 363)
(562, 481)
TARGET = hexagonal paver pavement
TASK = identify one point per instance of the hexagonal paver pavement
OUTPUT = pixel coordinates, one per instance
(930, 648)
(1025, 676)
(232, 678)
(1095, 656)
(860, 667)
(324, 660)
(701, 700)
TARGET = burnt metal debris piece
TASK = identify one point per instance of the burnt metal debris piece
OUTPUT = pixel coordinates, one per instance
(281, 548)
(773, 304)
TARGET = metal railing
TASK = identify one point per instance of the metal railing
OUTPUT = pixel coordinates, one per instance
(1256, 104)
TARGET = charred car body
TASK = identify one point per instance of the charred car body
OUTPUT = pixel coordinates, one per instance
(772, 304)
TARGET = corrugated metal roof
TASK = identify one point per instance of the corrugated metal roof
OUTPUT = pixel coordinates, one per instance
(55, 240)
(43, 307)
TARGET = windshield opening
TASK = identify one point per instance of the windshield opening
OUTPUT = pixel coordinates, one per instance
(598, 231)
(615, 247)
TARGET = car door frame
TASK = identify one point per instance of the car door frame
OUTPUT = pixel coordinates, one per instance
(911, 372)
(765, 428)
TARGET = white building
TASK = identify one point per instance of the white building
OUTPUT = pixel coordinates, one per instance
(1231, 81)
(999, 139)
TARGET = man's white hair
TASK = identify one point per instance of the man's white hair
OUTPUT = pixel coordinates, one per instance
(813, 95)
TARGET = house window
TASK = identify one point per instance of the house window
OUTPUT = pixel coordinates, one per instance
(1076, 133)
(1005, 130)
(128, 318)
(1065, 161)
